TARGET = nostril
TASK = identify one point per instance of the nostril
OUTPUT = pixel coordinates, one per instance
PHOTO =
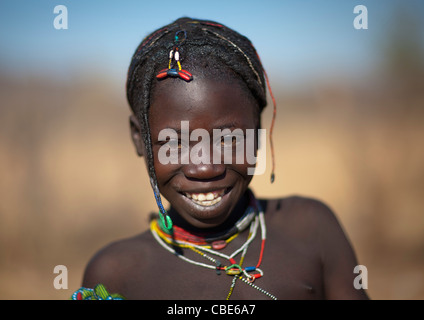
(204, 171)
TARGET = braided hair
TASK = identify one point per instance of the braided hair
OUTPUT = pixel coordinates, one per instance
(206, 46)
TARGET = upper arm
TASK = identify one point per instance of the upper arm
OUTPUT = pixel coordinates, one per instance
(337, 256)
(103, 268)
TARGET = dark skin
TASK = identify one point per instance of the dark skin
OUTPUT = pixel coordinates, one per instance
(307, 254)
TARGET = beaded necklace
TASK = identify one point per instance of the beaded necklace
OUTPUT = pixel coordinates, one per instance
(246, 274)
(216, 241)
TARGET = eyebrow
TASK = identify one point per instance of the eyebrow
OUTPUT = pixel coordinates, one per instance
(223, 126)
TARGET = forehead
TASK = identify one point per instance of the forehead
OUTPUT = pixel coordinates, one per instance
(204, 102)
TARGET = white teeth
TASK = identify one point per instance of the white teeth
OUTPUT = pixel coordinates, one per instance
(207, 199)
(208, 203)
(210, 196)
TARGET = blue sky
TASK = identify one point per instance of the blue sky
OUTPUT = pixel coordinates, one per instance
(295, 39)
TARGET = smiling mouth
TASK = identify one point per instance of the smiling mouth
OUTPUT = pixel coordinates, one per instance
(206, 199)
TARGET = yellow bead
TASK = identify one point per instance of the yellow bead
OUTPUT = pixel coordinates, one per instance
(233, 269)
(232, 272)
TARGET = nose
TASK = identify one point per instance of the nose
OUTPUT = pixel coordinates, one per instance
(204, 171)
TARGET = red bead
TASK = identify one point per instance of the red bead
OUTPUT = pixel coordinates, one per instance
(219, 244)
(184, 74)
(162, 74)
(253, 277)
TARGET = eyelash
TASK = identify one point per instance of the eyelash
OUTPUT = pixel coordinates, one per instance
(161, 143)
(234, 141)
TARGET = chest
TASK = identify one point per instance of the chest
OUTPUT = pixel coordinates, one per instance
(289, 272)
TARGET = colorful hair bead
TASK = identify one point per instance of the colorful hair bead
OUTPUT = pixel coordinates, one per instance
(174, 54)
(163, 215)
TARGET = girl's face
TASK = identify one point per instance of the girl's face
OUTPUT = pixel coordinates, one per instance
(204, 194)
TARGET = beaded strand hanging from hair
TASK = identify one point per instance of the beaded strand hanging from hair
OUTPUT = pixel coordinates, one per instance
(141, 51)
(182, 74)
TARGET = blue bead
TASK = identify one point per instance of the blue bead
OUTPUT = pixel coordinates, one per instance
(248, 269)
(172, 73)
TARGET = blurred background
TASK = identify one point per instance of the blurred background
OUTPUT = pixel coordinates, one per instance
(350, 129)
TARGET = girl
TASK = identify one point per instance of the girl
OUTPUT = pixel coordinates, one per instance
(216, 241)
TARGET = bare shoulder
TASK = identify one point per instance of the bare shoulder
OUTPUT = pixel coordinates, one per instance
(110, 265)
(302, 213)
(311, 222)
(312, 225)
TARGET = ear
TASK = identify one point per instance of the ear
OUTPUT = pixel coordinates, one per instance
(136, 137)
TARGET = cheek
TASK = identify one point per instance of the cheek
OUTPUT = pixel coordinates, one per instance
(248, 157)
(242, 170)
(163, 167)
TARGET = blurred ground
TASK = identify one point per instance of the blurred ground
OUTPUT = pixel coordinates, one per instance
(71, 181)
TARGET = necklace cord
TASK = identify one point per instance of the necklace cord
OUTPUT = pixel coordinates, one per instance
(169, 240)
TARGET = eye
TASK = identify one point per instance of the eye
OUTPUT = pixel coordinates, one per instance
(171, 143)
(229, 141)
(175, 143)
